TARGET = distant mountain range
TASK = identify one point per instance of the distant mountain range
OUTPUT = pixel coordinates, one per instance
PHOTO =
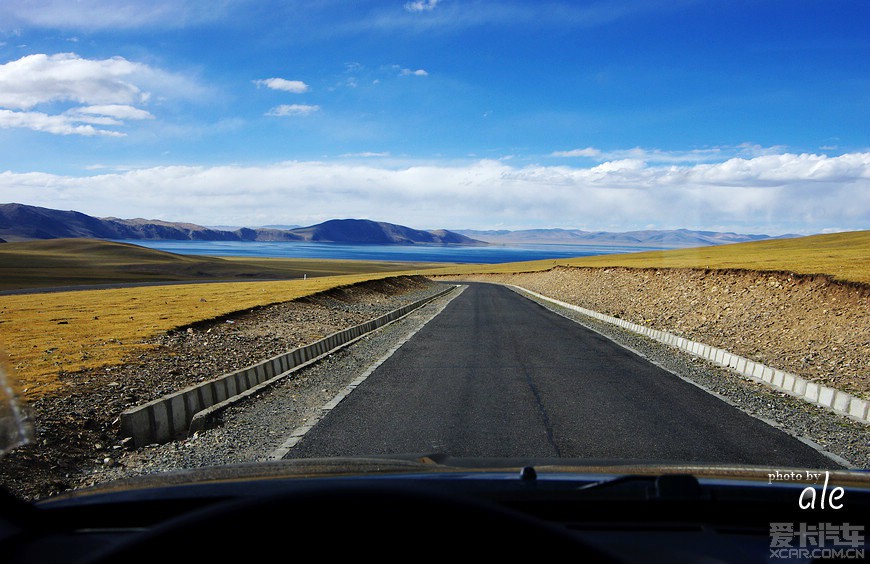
(19, 222)
(675, 238)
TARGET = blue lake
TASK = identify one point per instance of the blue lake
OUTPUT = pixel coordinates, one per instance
(418, 253)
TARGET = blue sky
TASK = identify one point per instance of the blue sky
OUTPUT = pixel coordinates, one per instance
(729, 115)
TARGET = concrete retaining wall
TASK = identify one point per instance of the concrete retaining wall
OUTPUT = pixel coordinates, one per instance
(835, 400)
(170, 417)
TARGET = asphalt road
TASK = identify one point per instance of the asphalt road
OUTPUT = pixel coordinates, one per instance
(496, 375)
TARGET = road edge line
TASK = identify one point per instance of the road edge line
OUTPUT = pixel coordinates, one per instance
(807, 441)
(298, 433)
(836, 401)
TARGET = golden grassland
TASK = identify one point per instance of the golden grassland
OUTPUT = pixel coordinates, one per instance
(44, 334)
(69, 262)
(843, 256)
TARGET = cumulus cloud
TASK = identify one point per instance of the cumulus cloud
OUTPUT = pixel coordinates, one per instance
(41, 78)
(294, 86)
(293, 110)
(102, 92)
(774, 194)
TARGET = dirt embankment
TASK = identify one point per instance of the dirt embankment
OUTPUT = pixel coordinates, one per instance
(807, 325)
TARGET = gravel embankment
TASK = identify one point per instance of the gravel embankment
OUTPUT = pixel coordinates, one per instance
(254, 428)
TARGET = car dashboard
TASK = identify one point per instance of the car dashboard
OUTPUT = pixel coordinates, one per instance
(433, 511)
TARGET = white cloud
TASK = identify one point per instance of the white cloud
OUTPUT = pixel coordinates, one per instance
(295, 86)
(409, 72)
(66, 77)
(773, 194)
(293, 110)
(57, 124)
(421, 5)
(100, 92)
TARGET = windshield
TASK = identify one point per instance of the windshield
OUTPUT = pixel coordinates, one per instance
(463, 233)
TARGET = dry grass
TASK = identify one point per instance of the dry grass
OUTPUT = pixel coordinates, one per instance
(44, 334)
(843, 256)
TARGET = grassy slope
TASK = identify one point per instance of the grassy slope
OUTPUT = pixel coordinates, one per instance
(69, 262)
(844, 256)
(44, 334)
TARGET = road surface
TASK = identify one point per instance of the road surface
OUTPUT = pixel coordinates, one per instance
(496, 375)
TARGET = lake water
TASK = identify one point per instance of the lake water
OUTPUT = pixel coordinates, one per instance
(417, 253)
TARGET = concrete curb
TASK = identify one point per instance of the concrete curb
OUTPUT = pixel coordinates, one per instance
(174, 415)
(837, 401)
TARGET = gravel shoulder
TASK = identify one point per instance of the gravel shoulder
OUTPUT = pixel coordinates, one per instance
(845, 440)
(808, 325)
(253, 429)
(76, 433)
